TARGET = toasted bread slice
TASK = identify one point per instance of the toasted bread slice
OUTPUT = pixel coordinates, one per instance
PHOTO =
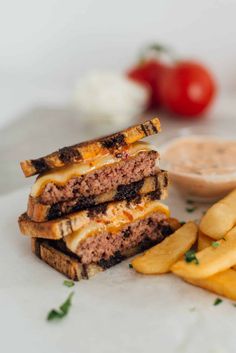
(88, 150)
(69, 264)
(107, 213)
(40, 212)
(64, 263)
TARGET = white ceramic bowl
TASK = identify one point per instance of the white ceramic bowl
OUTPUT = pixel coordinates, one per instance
(198, 187)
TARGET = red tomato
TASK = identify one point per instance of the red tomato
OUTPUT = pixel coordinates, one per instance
(149, 73)
(187, 88)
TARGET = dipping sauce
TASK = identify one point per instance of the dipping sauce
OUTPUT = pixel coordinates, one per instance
(203, 167)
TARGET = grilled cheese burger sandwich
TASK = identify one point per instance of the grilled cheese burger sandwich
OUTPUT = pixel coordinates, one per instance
(104, 236)
(98, 202)
(121, 167)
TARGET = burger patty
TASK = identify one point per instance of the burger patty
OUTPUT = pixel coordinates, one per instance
(104, 246)
(102, 180)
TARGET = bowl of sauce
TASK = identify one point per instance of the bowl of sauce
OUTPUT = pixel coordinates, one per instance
(202, 167)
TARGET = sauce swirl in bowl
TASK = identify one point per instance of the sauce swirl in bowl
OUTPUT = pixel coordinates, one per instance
(202, 167)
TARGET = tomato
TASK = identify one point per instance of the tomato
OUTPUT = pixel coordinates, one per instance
(149, 73)
(187, 88)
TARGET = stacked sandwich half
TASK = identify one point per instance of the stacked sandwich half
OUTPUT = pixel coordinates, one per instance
(98, 202)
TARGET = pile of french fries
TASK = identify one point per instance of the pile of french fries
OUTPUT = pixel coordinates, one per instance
(213, 265)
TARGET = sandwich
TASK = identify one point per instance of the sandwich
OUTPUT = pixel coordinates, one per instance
(84, 175)
(95, 241)
(98, 202)
(88, 150)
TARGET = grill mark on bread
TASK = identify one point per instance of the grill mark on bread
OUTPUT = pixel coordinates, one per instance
(166, 181)
(40, 165)
(148, 128)
(156, 183)
(56, 210)
(113, 142)
(69, 154)
(129, 191)
(155, 195)
(143, 127)
(154, 127)
(96, 210)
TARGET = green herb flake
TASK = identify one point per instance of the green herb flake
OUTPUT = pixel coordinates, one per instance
(215, 244)
(190, 256)
(218, 301)
(182, 223)
(62, 311)
(190, 209)
(130, 266)
(68, 283)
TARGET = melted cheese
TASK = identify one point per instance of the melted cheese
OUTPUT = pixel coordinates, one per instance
(60, 176)
(116, 218)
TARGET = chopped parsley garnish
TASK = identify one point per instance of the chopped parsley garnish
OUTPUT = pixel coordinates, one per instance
(62, 311)
(190, 256)
(218, 301)
(182, 223)
(68, 283)
(130, 266)
(215, 244)
(190, 209)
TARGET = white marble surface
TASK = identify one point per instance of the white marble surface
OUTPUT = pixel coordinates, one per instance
(116, 311)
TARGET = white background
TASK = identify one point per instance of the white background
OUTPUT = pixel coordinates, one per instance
(46, 45)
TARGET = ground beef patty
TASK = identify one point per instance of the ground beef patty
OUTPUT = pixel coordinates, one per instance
(102, 247)
(102, 180)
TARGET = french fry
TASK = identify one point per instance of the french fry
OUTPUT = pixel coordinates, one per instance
(203, 241)
(210, 260)
(223, 283)
(231, 233)
(161, 257)
(220, 218)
